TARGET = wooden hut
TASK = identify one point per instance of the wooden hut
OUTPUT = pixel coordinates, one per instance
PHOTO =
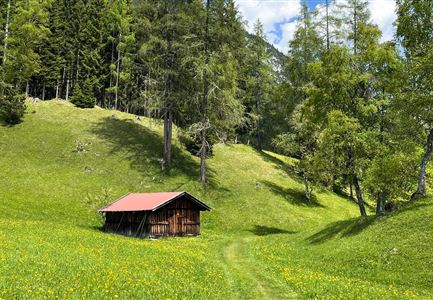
(154, 215)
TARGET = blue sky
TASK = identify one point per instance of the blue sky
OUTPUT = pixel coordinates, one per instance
(278, 17)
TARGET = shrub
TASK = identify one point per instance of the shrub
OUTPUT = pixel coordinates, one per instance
(12, 107)
(83, 95)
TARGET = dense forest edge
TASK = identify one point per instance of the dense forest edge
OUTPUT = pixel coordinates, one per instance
(355, 111)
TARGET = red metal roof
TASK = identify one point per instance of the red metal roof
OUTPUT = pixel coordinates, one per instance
(146, 201)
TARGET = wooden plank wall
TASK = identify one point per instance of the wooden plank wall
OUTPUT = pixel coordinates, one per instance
(180, 217)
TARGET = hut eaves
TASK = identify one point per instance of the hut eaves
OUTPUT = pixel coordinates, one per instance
(147, 202)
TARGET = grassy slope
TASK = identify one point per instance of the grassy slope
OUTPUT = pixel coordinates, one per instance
(261, 241)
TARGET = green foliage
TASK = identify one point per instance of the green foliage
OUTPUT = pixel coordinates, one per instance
(349, 96)
(259, 77)
(84, 96)
(12, 107)
(392, 177)
(21, 58)
(344, 148)
(414, 29)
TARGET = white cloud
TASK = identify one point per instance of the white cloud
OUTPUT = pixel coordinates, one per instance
(287, 31)
(383, 14)
(275, 16)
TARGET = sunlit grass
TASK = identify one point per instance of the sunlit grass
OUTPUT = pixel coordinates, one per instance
(262, 240)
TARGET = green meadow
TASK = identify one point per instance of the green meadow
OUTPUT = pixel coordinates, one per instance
(261, 241)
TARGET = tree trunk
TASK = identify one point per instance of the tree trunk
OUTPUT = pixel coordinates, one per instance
(27, 89)
(57, 91)
(67, 89)
(43, 91)
(421, 191)
(110, 98)
(63, 82)
(259, 136)
(5, 46)
(258, 94)
(168, 114)
(168, 125)
(203, 153)
(204, 143)
(307, 187)
(116, 96)
(77, 71)
(380, 204)
(327, 25)
(355, 28)
(359, 196)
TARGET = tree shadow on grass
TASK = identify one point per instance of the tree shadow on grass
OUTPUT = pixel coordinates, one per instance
(352, 199)
(293, 196)
(143, 147)
(261, 230)
(343, 228)
(294, 174)
(354, 226)
(290, 170)
(408, 206)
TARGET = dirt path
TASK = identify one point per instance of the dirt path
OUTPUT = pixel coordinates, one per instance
(246, 277)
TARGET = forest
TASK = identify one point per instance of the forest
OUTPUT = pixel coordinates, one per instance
(356, 112)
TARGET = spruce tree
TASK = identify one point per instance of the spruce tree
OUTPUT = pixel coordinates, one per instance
(258, 83)
(219, 109)
(306, 47)
(84, 96)
(23, 61)
(52, 53)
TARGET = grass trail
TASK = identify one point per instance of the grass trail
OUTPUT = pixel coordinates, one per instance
(244, 267)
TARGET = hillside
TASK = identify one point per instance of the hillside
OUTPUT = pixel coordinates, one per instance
(261, 241)
(277, 58)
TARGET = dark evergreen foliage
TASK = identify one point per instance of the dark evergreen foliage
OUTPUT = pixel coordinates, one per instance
(84, 96)
(12, 106)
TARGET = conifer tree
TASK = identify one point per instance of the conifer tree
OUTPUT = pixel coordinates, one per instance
(121, 43)
(165, 55)
(351, 15)
(259, 77)
(84, 96)
(306, 47)
(52, 53)
(220, 110)
(23, 61)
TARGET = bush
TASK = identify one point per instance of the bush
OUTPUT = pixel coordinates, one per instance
(83, 95)
(12, 107)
